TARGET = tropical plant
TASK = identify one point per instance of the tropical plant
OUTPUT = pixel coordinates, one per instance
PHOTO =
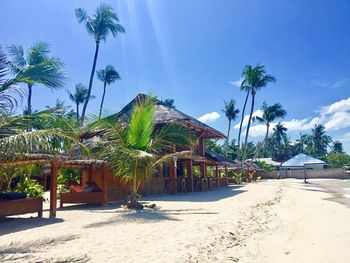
(37, 67)
(265, 166)
(319, 140)
(29, 186)
(65, 177)
(51, 133)
(247, 91)
(254, 78)
(270, 114)
(78, 97)
(107, 76)
(338, 160)
(337, 147)
(135, 150)
(231, 114)
(280, 142)
(103, 23)
(169, 103)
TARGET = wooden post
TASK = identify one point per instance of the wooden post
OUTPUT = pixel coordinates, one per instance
(189, 168)
(105, 186)
(53, 188)
(172, 173)
(91, 169)
(203, 169)
(217, 175)
(226, 174)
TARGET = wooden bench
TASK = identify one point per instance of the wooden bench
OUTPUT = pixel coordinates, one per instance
(81, 198)
(21, 206)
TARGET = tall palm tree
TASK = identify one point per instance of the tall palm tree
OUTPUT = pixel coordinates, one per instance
(246, 90)
(36, 67)
(103, 23)
(78, 97)
(280, 142)
(107, 76)
(254, 78)
(133, 151)
(231, 114)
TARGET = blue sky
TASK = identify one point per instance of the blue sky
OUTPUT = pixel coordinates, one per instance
(194, 52)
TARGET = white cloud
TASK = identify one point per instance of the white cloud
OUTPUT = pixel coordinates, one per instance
(209, 117)
(246, 119)
(237, 83)
(342, 105)
(337, 121)
(328, 84)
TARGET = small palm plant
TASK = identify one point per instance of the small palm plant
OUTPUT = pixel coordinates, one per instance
(135, 150)
(231, 114)
(107, 76)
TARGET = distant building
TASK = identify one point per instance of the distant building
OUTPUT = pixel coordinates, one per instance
(303, 161)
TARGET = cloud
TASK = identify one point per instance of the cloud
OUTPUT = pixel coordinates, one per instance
(246, 119)
(342, 105)
(209, 117)
(237, 83)
(335, 116)
(345, 138)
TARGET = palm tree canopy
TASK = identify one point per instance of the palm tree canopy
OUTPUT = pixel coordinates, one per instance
(271, 113)
(103, 22)
(255, 78)
(79, 95)
(230, 111)
(108, 75)
(37, 66)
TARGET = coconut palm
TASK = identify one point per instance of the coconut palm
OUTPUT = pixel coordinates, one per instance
(280, 142)
(8, 86)
(107, 76)
(78, 97)
(231, 114)
(337, 147)
(103, 23)
(133, 151)
(50, 126)
(36, 67)
(254, 78)
(270, 114)
(246, 90)
(319, 140)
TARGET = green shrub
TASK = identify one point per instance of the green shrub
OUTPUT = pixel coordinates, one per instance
(66, 177)
(266, 166)
(29, 186)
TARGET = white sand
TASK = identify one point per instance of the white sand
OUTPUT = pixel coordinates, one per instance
(269, 221)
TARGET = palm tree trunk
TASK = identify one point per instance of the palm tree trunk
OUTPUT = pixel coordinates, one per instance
(29, 99)
(264, 141)
(78, 112)
(240, 125)
(103, 98)
(248, 127)
(228, 137)
(90, 83)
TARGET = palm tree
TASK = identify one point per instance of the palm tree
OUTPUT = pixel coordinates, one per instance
(231, 114)
(37, 67)
(78, 97)
(133, 151)
(243, 88)
(319, 140)
(107, 76)
(270, 114)
(337, 147)
(255, 78)
(280, 142)
(103, 23)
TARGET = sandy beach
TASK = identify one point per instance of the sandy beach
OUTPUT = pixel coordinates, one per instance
(268, 221)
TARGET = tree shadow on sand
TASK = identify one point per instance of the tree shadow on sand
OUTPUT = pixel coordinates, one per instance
(213, 195)
(16, 224)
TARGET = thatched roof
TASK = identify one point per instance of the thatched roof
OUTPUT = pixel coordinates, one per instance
(166, 114)
(219, 159)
